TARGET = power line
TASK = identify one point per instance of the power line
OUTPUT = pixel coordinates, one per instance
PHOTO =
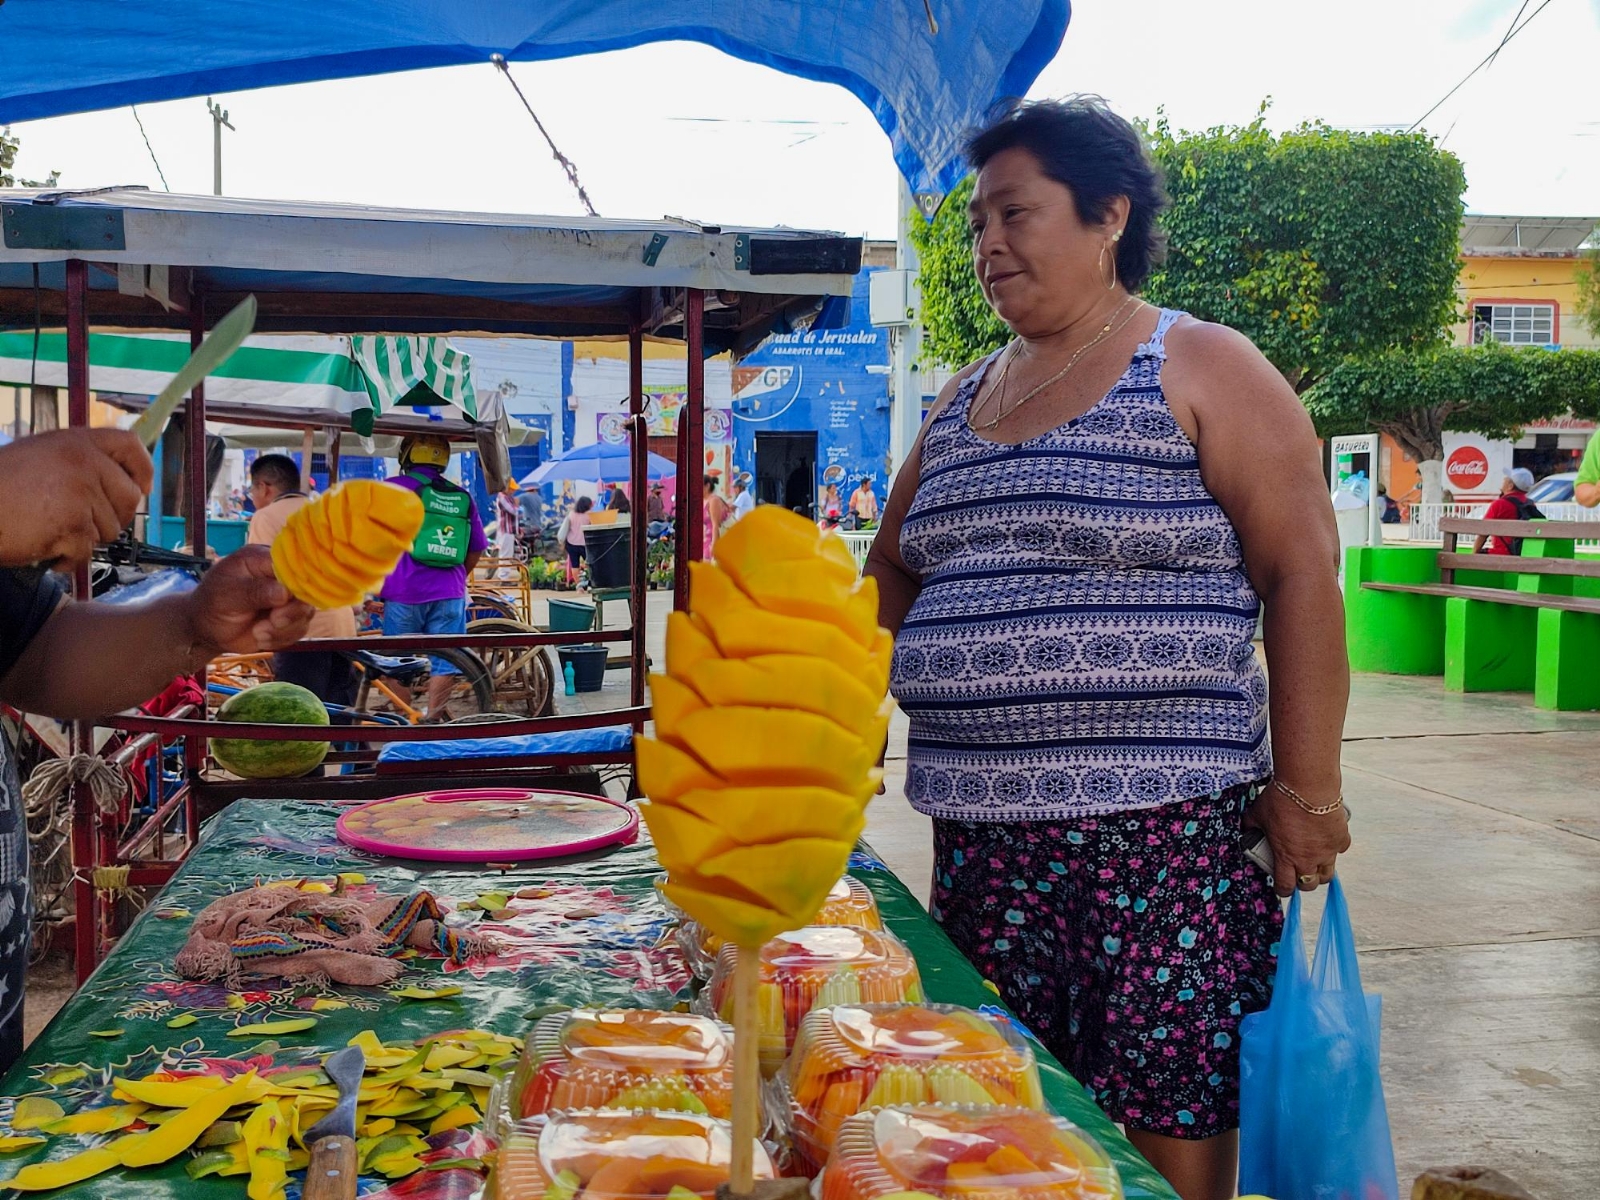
(566, 163)
(1487, 59)
(1509, 30)
(134, 108)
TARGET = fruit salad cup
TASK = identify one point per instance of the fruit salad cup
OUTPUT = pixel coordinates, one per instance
(617, 1155)
(964, 1153)
(850, 902)
(624, 1058)
(816, 967)
(854, 1057)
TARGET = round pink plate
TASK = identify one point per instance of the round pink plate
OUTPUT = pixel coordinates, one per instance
(488, 825)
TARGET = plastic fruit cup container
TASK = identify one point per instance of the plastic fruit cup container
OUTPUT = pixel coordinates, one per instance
(855, 1057)
(816, 967)
(963, 1153)
(624, 1058)
(616, 1155)
(850, 902)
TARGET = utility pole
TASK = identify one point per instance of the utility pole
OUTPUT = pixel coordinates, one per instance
(219, 118)
(905, 411)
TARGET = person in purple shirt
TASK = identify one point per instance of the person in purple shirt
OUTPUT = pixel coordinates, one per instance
(428, 591)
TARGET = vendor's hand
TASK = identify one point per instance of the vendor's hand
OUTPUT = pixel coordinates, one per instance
(1304, 847)
(240, 607)
(63, 491)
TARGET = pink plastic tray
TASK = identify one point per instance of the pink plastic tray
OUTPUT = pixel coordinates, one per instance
(488, 825)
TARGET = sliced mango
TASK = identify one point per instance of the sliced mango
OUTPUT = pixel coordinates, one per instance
(671, 701)
(795, 875)
(745, 922)
(687, 643)
(455, 1118)
(776, 747)
(752, 816)
(666, 771)
(851, 604)
(342, 545)
(800, 681)
(713, 595)
(683, 839)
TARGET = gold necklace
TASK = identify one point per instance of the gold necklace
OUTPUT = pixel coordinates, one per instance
(1002, 412)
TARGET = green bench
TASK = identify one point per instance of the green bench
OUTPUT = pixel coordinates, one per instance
(1529, 622)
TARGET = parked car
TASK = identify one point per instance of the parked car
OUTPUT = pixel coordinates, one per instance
(1554, 489)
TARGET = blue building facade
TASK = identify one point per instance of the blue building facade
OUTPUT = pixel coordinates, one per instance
(811, 409)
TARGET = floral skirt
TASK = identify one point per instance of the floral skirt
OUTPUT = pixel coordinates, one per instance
(1132, 944)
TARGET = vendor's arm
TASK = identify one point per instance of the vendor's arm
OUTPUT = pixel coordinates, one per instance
(1587, 489)
(1259, 458)
(91, 659)
(898, 584)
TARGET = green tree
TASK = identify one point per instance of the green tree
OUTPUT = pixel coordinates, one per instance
(8, 155)
(1317, 244)
(1415, 396)
(1587, 277)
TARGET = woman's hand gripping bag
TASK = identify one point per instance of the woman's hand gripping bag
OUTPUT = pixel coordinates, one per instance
(1313, 1124)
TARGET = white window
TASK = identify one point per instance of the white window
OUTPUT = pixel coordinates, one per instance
(1514, 324)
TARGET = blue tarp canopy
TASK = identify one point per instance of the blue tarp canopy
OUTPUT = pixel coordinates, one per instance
(599, 461)
(928, 69)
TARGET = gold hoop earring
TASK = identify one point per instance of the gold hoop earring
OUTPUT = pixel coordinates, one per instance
(1101, 263)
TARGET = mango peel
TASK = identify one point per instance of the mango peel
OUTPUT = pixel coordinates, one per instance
(769, 723)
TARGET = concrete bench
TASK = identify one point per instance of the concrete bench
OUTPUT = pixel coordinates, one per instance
(1541, 633)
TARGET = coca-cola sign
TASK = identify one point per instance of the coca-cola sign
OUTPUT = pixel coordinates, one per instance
(1467, 469)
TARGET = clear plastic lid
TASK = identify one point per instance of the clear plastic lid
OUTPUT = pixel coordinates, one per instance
(624, 1058)
(616, 1155)
(816, 967)
(854, 1057)
(850, 902)
(963, 1153)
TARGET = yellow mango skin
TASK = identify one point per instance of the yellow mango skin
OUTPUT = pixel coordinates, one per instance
(775, 747)
(181, 1132)
(97, 1120)
(339, 547)
(666, 771)
(795, 876)
(753, 816)
(734, 920)
(266, 1144)
(799, 681)
(43, 1177)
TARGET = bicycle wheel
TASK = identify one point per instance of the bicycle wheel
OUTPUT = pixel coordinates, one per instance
(473, 691)
(482, 606)
(522, 677)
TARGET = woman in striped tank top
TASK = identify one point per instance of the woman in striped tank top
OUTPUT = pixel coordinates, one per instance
(1072, 561)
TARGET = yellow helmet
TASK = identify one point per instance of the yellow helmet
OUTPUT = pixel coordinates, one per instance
(422, 449)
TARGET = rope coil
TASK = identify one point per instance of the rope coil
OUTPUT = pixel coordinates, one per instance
(51, 779)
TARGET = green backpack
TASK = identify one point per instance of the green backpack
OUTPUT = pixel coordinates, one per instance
(446, 523)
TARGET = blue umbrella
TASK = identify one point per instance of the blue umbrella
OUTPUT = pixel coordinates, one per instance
(597, 462)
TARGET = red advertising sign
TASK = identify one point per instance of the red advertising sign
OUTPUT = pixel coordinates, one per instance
(1467, 469)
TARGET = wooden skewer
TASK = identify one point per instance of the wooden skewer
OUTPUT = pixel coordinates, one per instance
(746, 1069)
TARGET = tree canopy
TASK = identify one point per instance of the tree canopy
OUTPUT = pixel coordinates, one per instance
(1416, 396)
(8, 156)
(1587, 279)
(1317, 244)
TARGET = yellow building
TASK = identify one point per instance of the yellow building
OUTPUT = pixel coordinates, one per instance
(1516, 286)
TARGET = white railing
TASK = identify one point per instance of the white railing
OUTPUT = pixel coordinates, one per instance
(860, 542)
(1425, 518)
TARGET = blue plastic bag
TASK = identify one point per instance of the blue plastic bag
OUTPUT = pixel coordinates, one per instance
(1313, 1124)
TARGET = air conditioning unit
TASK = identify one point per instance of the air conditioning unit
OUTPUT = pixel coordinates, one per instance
(890, 298)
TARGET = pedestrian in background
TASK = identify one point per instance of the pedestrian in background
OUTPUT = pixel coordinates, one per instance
(1511, 505)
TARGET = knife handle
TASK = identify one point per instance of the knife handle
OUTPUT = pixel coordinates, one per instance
(332, 1173)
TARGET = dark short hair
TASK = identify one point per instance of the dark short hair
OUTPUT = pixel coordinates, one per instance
(278, 470)
(584, 504)
(1080, 143)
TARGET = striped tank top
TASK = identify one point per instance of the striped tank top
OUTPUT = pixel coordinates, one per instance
(1082, 640)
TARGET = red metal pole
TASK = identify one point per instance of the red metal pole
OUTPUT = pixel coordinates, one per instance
(195, 527)
(692, 446)
(85, 813)
(639, 487)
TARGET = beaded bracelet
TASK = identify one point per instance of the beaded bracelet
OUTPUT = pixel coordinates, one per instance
(1305, 805)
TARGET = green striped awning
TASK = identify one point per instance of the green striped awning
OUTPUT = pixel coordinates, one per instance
(363, 377)
(411, 372)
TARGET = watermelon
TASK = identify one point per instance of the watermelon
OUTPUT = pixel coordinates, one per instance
(274, 704)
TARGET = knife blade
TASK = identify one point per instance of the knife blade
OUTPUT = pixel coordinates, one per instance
(333, 1169)
(218, 346)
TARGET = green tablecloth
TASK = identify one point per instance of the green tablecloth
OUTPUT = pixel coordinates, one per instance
(596, 935)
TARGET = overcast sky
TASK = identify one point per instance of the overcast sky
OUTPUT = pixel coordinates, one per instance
(682, 130)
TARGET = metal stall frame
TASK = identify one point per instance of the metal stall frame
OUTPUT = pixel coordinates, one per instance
(786, 279)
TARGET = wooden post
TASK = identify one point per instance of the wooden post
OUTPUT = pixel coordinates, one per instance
(691, 447)
(308, 451)
(332, 435)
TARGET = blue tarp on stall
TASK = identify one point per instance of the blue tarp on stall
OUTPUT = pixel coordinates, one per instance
(928, 69)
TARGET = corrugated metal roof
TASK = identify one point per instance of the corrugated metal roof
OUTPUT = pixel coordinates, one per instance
(1482, 233)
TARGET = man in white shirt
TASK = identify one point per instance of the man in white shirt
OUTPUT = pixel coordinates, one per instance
(743, 501)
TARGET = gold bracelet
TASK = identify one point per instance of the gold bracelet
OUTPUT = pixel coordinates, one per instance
(1304, 805)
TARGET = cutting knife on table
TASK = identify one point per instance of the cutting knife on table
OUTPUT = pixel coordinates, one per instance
(333, 1169)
